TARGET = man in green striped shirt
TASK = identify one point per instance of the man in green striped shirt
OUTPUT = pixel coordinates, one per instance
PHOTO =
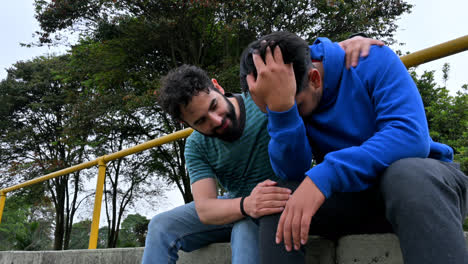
(230, 145)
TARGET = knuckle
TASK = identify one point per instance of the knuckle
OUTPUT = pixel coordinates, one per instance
(261, 73)
(296, 226)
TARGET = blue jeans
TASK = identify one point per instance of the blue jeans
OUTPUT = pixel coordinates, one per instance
(180, 228)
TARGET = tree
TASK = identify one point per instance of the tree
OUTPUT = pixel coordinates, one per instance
(79, 236)
(447, 115)
(128, 45)
(43, 130)
(26, 222)
(134, 229)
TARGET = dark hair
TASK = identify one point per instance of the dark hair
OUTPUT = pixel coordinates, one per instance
(180, 85)
(294, 49)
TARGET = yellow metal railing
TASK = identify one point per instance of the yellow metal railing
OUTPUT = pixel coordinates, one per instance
(436, 52)
(101, 162)
(413, 59)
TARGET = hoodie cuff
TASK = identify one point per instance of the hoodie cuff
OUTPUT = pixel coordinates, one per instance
(281, 120)
(324, 176)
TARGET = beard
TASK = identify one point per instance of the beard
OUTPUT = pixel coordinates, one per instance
(230, 133)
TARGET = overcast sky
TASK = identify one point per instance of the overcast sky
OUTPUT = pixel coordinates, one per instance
(433, 22)
(430, 23)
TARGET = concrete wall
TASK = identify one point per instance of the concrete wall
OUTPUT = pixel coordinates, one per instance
(357, 249)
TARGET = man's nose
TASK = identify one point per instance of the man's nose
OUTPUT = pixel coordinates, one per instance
(216, 120)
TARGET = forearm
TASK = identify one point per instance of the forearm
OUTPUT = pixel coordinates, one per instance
(214, 211)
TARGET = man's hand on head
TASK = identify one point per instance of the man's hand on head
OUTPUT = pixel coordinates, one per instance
(266, 199)
(356, 47)
(294, 223)
(275, 85)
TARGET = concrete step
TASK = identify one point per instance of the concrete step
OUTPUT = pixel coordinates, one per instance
(356, 249)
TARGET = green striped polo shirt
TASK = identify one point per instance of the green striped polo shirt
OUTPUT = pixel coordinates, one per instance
(238, 166)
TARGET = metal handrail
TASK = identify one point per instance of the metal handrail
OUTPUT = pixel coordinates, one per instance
(101, 162)
(435, 52)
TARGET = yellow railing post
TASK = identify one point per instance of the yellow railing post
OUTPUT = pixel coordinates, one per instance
(97, 204)
(2, 204)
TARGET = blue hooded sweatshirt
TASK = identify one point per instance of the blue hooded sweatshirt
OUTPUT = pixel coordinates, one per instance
(369, 117)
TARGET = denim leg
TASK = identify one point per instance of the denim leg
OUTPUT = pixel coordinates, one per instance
(244, 242)
(426, 203)
(180, 228)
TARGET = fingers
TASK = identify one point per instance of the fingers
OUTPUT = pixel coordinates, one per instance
(355, 54)
(305, 225)
(275, 56)
(347, 57)
(287, 230)
(258, 62)
(268, 187)
(296, 231)
(366, 48)
(269, 60)
(273, 204)
(377, 42)
(274, 189)
(279, 229)
(267, 199)
(267, 183)
(278, 55)
(267, 208)
(268, 211)
(278, 196)
(357, 47)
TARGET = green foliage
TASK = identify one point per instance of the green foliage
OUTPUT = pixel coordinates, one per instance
(137, 41)
(26, 225)
(79, 238)
(45, 126)
(447, 115)
(133, 231)
(229, 78)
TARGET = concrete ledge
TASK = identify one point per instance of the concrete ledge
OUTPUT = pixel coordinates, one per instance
(97, 256)
(360, 249)
(356, 249)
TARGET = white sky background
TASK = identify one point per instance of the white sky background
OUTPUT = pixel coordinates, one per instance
(433, 22)
(17, 24)
(430, 23)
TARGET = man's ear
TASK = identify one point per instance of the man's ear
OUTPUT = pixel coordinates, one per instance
(314, 78)
(182, 122)
(217, 86)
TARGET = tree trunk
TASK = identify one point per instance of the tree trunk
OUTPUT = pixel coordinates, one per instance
(60, 214)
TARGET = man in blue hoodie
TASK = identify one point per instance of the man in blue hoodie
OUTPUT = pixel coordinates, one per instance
(377, 167)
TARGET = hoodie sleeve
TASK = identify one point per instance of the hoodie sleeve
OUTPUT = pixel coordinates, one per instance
(289, 149)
